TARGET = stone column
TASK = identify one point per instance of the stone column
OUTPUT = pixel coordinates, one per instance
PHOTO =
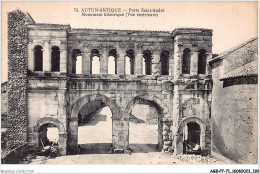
(176, 117)
(120, 63)
(30, 57)
(139, 63)
(177, 60)
(62, 111)
(209, 57)
(104, 62)
(194, 63)
(63, 60)
(156, 63)
(46, 57)
(171, 65)
(63, 143)
(86, 61)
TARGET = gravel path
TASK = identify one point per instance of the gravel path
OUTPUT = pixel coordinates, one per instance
(135, 158)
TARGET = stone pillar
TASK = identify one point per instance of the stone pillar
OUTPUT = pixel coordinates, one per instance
(176, 117)
(120, 63)
(30, 57)
(46, 57)
(63, 60)
(194, 63)
(62, 108)
(70, 62)
(171, 66)
(209, 57)
(156, 63)
(139, 63)
(177, 60)
(86, 62)
(63, 143)
(103, 62)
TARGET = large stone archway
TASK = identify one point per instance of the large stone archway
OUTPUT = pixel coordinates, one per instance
(73, 123)
(179, 139)
(164, 123)
(62, 132)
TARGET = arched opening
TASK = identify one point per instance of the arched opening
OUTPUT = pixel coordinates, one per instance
(48, 135)
(165, 62)
(144, 126)
(55, 59)
(91, 128)
(38, 58)
(95, 62)
(112, 62)
(147, 62)
(76, 61)
(51, 132)
(186, 61)
(202, 61)
(129, 62)
(191, 138)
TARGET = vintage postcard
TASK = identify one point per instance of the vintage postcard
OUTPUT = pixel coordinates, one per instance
(120, 83)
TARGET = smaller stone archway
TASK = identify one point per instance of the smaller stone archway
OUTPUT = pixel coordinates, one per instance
(73, 123)
(179, 139)
(62, 132)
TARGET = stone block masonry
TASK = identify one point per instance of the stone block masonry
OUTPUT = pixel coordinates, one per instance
(45, 95)
(17, 78)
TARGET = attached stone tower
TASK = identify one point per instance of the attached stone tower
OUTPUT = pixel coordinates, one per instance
(192, 83)
(17, 77)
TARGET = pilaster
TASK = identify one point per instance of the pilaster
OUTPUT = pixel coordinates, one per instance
(139, 63)
(86, 60)
(120, 63)
(156, 64)
(63, 60)
(104, 62)
(46, 57)
(194, 63)
(177, 60)
(30, 57)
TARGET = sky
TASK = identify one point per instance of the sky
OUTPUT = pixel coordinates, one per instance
(232, 22)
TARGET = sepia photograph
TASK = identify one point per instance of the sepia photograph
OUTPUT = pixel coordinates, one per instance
(129, 83)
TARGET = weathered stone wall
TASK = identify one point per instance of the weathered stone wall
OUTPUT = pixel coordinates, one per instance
(46, 100)
(122, 40)
(4, 105)
(192, 92)
(17, 78)
(57, 97)
(47, 37)
(234, 119)
(119, 96)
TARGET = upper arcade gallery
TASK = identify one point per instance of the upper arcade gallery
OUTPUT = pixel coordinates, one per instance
(57, 49)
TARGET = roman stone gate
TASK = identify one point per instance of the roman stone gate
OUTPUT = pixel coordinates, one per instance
(55, 70)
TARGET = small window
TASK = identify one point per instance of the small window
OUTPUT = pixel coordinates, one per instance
(165, 63)
(130, 61)
(55, 59)
(95, 62)
(38, 58)
(202, 61)
(112, 62)
(186, 61)
(147, 63)
(76, 61)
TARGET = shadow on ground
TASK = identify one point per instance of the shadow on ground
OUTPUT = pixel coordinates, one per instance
(95, 148)
(143, 148)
